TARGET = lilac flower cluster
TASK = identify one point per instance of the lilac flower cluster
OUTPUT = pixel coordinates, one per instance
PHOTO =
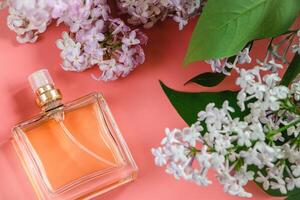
(267, 139)
(94, 37)
(225, 65)
(276, 54)
(28, 19)
(148, 12)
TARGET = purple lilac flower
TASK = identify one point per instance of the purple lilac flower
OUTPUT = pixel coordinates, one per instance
(94, 37)
(111, 45)
(148, 12)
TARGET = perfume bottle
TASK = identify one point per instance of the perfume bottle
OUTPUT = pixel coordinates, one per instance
(73, 150)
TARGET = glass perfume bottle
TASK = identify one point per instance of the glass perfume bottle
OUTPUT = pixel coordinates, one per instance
(73, 150)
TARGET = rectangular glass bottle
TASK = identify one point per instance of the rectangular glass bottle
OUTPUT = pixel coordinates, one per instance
(73, 150)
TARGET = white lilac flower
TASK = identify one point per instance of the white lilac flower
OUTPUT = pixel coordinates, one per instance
(111, 70)
(244, 138)
(175, 170)
(246, 78)
(279, 185)
(243, 57)
(126, 55)
(280, 92)
(272, 62)
(292, 182)
(131, 39)
(30, 18)
(270, 65)
(229, 146)
(251, 157)
(295, 170)
(292, 156)
(171, 136)
(222, 144)
(293, 130)
(244, 175)
(225, 65)
(271, 80)
(264, 180)
(74, 59)
(296, 47)
(191, 135)
(181, 21)
(295, 88)
(178, 171)
(200, 179)
(25, 30)
(217, 161)
(257, 132)
(179, 153)
(216, 65)
(143, 12)
(160, 159)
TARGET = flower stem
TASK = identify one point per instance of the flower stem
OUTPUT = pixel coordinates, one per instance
(284, 128)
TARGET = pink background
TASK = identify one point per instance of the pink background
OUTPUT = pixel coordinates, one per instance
(138, 103)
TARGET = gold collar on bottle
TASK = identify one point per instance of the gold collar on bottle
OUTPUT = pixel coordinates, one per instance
(47, 94)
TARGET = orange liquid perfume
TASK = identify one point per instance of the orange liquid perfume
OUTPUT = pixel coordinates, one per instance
(73, 150)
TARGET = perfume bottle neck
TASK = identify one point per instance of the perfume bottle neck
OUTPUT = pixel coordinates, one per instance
(54, 105)
(48, 97)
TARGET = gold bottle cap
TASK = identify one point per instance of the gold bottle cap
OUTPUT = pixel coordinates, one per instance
(44, 88)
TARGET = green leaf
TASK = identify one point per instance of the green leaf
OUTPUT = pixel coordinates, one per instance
(292, 71)
(211, 79)
(189, 104)
(208, 79)
(294, 196)
(225, 26)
